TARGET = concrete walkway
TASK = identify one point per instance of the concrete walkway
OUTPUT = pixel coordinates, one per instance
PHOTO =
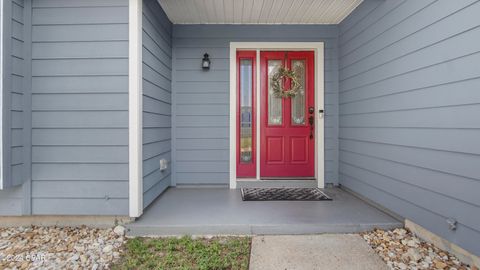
(308, 252)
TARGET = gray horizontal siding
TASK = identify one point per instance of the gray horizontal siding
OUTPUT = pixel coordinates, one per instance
(11, 201)
(157, 99)
(18, 92)
(14, 148)
(80, 107)
(408, 111)
(201, 106)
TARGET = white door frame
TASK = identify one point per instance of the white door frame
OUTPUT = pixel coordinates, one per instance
(318, 48)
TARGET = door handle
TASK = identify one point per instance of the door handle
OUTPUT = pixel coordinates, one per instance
(311, 121)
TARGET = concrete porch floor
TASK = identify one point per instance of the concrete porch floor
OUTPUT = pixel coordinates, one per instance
(205, 211)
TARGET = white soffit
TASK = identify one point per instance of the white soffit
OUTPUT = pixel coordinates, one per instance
(258, 11)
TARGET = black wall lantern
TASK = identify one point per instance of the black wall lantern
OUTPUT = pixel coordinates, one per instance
(206, 62)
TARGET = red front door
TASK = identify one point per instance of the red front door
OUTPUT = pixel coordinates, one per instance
(286, 128)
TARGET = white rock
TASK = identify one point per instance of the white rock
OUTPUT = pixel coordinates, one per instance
(412, 243)
(402, 266)
(4, 234)
(79, 248)
(75, 257)
(107, 249)
(414, 255)
(119, 230)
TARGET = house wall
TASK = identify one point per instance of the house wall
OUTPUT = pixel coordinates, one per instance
(69, 73)
(16, 108)
(409, 105)
(201, 99)
(80, 107)
(157, 99)
(17, 92)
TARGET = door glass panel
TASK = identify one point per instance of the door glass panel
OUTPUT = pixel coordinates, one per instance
(298, 102)
(274, 103)
(246, 83)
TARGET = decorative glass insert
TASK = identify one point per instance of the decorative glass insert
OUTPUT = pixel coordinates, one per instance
(274, 103)
(246, 116)
(298, 102)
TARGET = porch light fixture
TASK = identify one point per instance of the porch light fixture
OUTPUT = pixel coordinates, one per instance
(205, 62)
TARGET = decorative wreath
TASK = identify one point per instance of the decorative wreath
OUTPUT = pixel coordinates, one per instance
(276, 83)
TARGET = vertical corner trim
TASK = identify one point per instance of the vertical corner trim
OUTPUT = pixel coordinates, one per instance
(2, 69)
(27, 110)
(5, 85)
(232, 118)
(173, 163)
(135, 108)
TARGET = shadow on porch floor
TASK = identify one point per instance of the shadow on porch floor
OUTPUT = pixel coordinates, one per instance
(200, 211)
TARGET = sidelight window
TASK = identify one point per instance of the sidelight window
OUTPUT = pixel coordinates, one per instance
(246, 166)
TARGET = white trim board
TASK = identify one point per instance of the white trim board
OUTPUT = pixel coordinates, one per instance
(135, 108)
(318, 48)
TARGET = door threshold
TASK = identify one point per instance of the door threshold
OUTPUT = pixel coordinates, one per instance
(288, 178)
(277, 183)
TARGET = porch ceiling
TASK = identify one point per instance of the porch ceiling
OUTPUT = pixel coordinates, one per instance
(258, 11)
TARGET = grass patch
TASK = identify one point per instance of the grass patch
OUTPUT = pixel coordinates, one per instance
(186, 253)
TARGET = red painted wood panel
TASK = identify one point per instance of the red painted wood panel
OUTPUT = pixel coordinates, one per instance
(287, 150)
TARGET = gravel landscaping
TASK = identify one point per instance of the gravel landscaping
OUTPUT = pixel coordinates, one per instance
(92, 248)
(400, 249)
(60, 248)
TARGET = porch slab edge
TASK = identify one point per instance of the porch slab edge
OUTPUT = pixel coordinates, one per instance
(274, 229)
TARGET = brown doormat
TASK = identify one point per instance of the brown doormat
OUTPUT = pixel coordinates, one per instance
(284, 194)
